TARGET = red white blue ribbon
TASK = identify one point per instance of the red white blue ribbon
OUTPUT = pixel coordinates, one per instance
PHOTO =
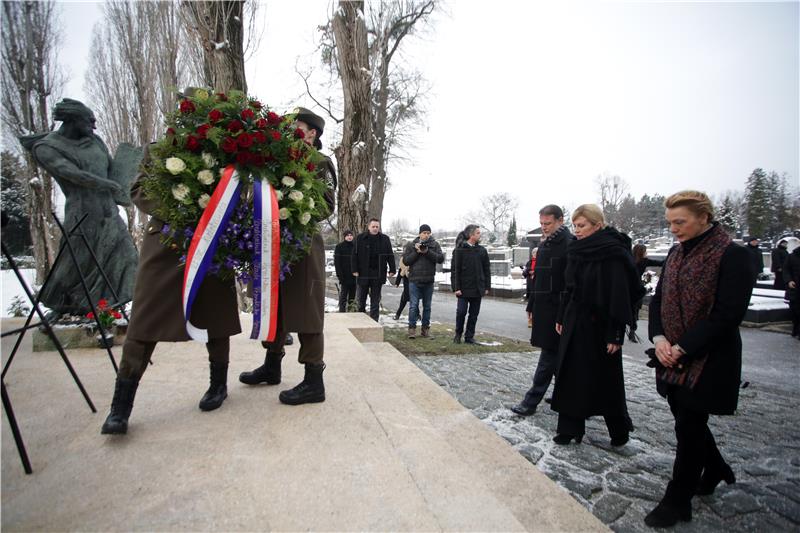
(266, 261)
(204, 243)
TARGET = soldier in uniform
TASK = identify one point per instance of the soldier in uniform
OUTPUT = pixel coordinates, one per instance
(301, 303)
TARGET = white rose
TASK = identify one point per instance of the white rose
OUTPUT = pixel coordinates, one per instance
(311, 203)
(283, 213)
(279, 195)
(296, 196)
(304, 218)
(288, 181)
(206, 177)
(180, 192)
(209, 160)
(175, 165)
(203, 200)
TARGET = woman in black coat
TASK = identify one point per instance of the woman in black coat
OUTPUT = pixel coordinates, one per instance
(641, 261)
(779, 255)
(601, 289)
(701, 298)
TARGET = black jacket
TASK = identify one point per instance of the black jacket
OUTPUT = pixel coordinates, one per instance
(717, 390)
(791, 272)
(343, 261)
(470, 270)
(422, 267)
(779, 256)
(756, 260)
(371, 257)
(548, 283)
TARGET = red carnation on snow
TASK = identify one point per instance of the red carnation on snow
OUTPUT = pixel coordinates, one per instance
(215, 115)
(247, 114)
(235, 125)
(273, 118)
(245, 140)
(229, 145)
(187, 106)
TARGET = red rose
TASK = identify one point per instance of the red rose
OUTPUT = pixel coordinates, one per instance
(222, 97)
(259, 137)
(273, 118)
(276, 135)
(310, 166)
(116, 314)
(255, 104)
(215, 115)
(229, 145)
(187, 106)
(245, 140)
(90, 315)
(243, 158)
(192, 143)
(299, 133)
(170, 131)
(258, 160)
(247, 114)
(261, 124)
(202, 130)
(102, 303)
(235, 125)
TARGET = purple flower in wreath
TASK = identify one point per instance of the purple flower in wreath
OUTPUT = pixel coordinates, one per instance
(230, 262)
(249, 245)
(224, 240)
(240, 244)
(165, 229)
(182, 259)
(188, 233)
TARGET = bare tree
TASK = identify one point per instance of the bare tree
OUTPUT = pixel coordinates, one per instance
(32, 81)
(361, 46)
(495, 213)
(218, 26)
(135, 69)
(612, 190)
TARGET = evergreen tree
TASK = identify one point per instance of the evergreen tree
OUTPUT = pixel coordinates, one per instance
(726, 214)
(758, 198)
(512, 233)
(13, 200)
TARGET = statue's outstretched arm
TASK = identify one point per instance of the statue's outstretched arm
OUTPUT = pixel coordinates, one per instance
(64, 169)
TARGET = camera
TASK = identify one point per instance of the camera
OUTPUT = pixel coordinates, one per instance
(423, 245)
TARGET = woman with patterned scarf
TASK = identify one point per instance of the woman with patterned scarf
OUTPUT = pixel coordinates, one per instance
(601, 289)
(700, 300)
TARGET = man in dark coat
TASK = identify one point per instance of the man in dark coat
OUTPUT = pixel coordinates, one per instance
(756, 258)
(471, 279)
(372, 256)
(343, 261)
(779, 255)
(551, 262)
(301, 302)
(791, 275)
(421, 255)
(157, 315)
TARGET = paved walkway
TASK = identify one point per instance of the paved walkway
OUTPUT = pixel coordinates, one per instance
(620, 485)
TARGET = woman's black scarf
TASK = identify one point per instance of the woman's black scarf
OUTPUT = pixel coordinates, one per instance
(605, 260)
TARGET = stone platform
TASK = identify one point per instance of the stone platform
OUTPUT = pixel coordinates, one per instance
(388, 450)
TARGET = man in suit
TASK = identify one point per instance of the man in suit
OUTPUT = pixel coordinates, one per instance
(372, 256)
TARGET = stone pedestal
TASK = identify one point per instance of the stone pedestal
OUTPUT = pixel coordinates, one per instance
(75, 336)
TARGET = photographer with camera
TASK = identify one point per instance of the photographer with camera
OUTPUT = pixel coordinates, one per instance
(421, 256)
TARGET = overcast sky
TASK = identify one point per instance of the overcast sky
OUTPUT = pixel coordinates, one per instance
(538, 98)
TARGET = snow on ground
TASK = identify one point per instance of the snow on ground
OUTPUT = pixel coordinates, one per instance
(11, 288)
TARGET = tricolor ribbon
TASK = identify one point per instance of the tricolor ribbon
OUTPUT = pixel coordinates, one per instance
(266, 261)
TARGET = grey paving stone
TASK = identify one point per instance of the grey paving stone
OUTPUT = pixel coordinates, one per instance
(732, 503)
(610, 507)
(788, 489)
(784, 507)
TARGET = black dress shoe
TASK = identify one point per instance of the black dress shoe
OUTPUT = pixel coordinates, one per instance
(523, 410)
(561, 439)
(710, 480)
(620, 441)
(470, 341)
(456, 340)
(667, 515)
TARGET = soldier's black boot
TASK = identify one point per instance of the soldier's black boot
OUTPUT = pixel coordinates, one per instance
(269, 372)
(218, 390)
(117, 420)
(310, 390)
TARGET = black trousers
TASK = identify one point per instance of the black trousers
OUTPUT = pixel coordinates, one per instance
(618, 426)
(373, 288)
(696, 451)
(136, 355)
(473, 305)
(312, 345)
(794, 307)
(403, 297)
(347, 294)
(545, 370)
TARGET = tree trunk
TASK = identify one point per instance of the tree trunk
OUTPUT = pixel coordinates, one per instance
(353, 155)
(219, 29)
